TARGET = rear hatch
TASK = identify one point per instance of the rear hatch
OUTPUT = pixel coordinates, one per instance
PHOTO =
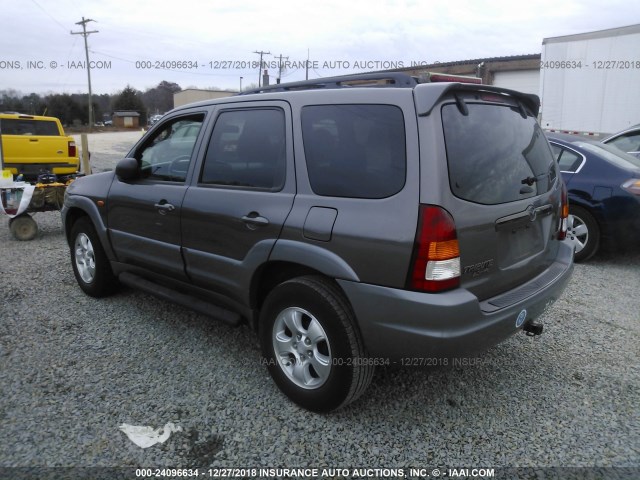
(504, 192)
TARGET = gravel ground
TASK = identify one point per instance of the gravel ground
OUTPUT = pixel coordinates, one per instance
(74, 368)
(108, 147)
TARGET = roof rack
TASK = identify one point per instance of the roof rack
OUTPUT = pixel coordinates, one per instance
(379, 79)
(383, 79)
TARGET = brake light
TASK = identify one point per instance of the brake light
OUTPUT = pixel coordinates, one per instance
(445, 77)
(72, 149)
(492, 98)
(632, 186)
(436, 254)
(564, 213)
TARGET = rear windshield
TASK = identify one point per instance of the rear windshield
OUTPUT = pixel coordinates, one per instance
(495, 155)
(12, 126)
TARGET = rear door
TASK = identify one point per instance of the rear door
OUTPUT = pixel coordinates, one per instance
(233, 213)
(504, 191)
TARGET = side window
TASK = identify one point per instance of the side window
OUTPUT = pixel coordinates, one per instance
(247, 149)
(568, 161)
(355, 151)
(167, 154)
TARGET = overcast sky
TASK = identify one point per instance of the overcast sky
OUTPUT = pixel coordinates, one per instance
(215, 40)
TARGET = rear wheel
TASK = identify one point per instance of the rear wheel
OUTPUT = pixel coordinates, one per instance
(312, 349)
(583, 232)
(90, 264)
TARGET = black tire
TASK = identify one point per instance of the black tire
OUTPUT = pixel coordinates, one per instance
(23, 227)
(583, 231)
(343, 373)
(90, 264)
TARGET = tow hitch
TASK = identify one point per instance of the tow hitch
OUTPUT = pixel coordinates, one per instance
(532, 329)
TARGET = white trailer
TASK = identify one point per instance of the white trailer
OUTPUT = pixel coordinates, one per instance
(590, 82)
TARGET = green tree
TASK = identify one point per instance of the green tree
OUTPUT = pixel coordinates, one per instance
(81, 99)
(103, 106)
(159, 99)
(10, 101)
(130, 99)
(65, 108)
(33, 104)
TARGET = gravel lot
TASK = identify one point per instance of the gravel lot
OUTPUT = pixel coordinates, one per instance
(73, 368)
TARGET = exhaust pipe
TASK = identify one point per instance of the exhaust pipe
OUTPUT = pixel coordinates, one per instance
(532, 329)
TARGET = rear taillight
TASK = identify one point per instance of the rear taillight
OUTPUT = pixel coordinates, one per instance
(564, 213)
(72, 149)
(436, 255)
(632, 186)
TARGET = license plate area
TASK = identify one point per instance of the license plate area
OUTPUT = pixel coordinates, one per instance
(519, 242)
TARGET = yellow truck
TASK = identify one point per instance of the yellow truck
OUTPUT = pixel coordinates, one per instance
(33, 145)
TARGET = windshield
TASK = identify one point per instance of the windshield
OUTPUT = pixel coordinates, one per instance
(495, 155)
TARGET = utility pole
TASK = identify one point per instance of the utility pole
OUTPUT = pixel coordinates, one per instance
(85, 34)
(261, 53)
(280, 67)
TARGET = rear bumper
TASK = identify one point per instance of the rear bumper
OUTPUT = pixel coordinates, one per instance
(32, 170)
(401, 325)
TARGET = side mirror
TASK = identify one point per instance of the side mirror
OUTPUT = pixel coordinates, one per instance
(128, 169)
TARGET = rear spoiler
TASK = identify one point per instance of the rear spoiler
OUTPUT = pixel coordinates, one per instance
(427, 98)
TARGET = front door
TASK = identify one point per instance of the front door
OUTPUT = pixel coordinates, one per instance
(144, 215)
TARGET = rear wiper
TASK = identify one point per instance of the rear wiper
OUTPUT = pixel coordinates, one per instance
(529, 181)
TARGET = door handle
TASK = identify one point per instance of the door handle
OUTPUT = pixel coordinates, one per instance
(164, 207)
(254, 220)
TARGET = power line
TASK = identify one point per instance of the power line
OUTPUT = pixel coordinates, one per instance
(85, 34)
(49, 15)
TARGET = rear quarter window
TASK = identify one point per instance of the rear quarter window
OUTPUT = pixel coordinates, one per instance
(568, 161)
(495, 155)
(355, 151)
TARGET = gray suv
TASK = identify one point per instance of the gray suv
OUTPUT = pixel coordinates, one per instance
(351, 222)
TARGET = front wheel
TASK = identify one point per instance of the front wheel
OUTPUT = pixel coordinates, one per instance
(311, 346)
(583, 233)
(90, 264)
